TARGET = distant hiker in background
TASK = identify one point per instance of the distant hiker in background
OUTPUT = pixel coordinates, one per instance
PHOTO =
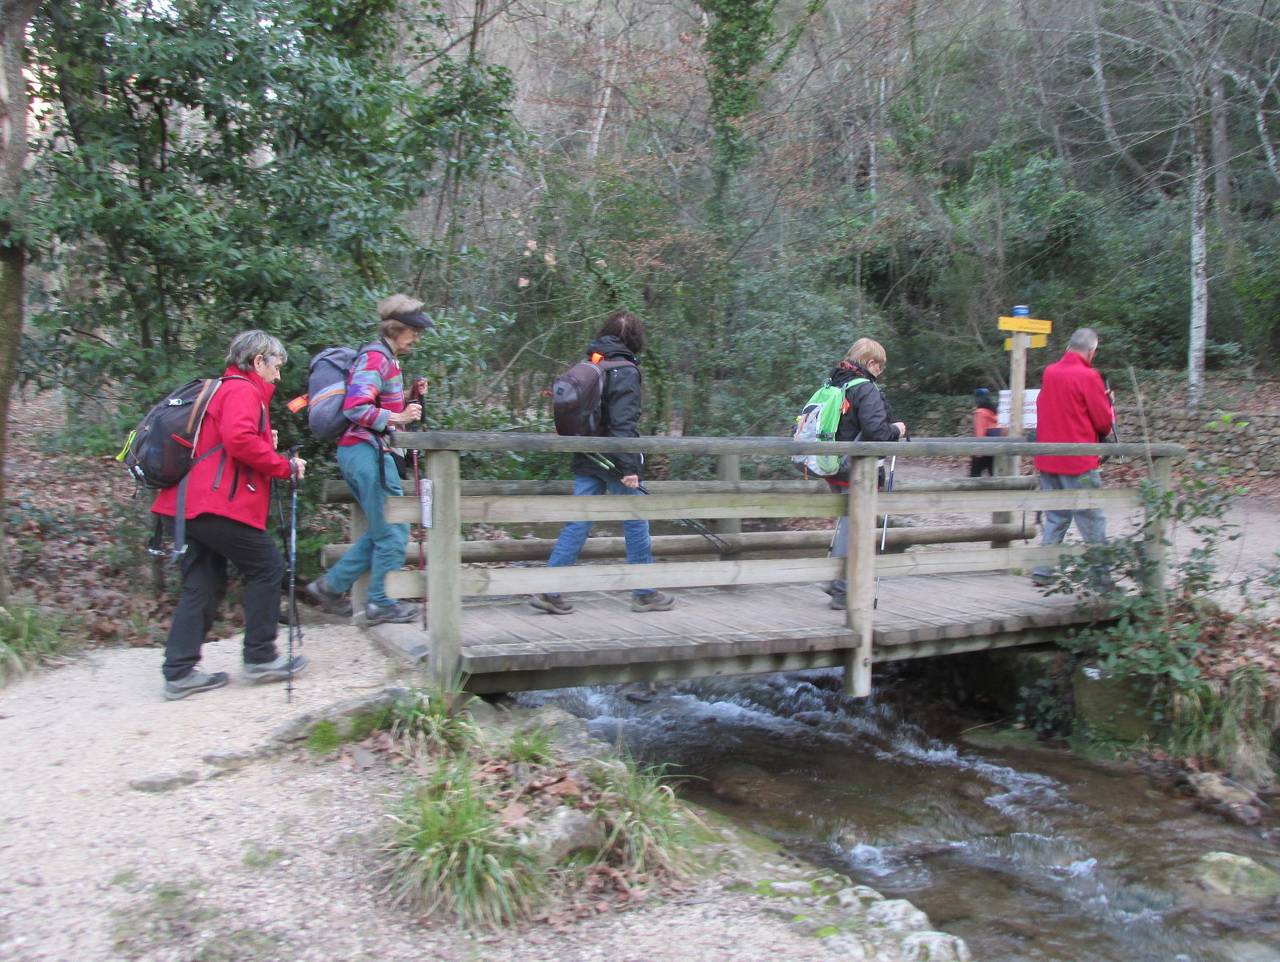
(866, 418)
(227, 498)
(374, 404)
(986, 424)
(1074, 406)
(621, 338)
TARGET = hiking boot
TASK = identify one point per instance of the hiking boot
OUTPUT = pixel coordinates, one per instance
(656, 601)
(396, 613)
(324, 599)
(839, 600)
(277, 670)
(194, 683)
(551, 604)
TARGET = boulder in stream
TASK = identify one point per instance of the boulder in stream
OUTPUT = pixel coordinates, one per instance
(1238, 877)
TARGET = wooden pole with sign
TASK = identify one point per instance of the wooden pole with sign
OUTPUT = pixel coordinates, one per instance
(1027, 332)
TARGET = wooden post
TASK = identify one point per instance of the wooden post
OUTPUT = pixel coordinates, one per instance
(359, 590)
(1003, 466)
(729, 468)
(1017, 382)
(860, 573)
(444, 559)
(1154, 548)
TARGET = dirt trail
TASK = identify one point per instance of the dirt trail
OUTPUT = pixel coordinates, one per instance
(274, 861)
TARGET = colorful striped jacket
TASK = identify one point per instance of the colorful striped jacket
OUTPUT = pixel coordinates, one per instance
(374, 393)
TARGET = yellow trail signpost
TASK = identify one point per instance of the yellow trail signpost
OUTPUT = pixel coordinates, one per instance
(1022, 328)
(1036, 340)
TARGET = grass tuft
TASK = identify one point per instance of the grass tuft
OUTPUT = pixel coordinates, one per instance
(1225, 725)
(648, 829)
(532, 746)
(451, 854)
(28, 637)
(434, 722)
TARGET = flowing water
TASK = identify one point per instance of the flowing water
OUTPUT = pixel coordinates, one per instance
(1026, 853)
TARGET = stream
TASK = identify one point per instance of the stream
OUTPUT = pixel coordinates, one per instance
(1026, 852)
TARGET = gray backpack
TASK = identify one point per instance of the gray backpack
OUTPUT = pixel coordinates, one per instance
(328, 375)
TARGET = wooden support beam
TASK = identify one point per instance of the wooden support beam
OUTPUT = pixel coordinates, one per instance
(444, 567)
(747, 544)
(729, 471)
(1155, 546)
(503, 509)
(337, 492)
(860, 575)
(763, 447)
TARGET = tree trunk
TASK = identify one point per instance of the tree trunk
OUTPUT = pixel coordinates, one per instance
(14, 17)
(1199, 267)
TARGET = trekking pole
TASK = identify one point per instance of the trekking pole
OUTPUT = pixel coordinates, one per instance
(719, 542)
(884, 533)
(424, 507)
(293, 569)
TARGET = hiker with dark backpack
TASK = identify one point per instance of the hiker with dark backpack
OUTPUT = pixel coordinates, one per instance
(375, 403)
(225, 498)
(865, 416)
(601, 397)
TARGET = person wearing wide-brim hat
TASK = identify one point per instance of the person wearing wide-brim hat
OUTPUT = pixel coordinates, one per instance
(376, 403)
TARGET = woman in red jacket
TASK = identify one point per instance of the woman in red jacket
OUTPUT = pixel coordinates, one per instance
(227, 499)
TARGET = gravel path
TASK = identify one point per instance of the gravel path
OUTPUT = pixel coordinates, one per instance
(275, 860)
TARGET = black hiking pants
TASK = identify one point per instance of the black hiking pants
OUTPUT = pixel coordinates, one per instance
(212, 541)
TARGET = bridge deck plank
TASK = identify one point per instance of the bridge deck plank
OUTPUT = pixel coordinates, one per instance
(507, 635)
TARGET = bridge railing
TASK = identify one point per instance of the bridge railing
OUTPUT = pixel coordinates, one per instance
(452, 572)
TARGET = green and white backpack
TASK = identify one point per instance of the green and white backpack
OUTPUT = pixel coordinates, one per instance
(818, 421)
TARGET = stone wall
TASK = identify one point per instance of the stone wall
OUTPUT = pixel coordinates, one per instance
(1249, 444)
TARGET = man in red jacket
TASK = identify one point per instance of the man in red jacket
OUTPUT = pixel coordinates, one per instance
(1073, 406)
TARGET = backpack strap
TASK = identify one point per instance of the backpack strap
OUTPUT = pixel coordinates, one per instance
(180, 513)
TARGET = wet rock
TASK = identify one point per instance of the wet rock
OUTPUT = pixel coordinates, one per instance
(566, 831)
(741, 783)
(857, 897)
(164, 781)
(1220, 794)
(934, 947)
(1237, 876)
(897, 915)
(792, 889)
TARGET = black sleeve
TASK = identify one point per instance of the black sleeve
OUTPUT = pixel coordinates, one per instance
(622, 413)
(871, 411)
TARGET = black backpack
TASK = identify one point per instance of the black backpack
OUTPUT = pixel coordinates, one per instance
(160, 451)
(576, 397)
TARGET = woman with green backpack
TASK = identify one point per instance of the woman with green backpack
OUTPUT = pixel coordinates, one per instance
(866, 416)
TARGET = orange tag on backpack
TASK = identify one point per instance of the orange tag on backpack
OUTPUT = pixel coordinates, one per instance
(298, 403)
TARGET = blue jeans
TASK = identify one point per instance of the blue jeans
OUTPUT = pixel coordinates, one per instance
(381, 548)
(574, 534)
(1091, 522)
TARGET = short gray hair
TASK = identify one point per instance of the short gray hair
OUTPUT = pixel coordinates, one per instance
(1083, 340)
(247, 345)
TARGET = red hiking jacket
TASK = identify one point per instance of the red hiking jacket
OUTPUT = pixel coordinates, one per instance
(1072, 407)
(236, 481)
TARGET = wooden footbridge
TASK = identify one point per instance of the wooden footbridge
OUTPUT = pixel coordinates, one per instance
(753, 604)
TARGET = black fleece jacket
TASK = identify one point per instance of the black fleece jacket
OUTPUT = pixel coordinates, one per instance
(620, 401)
(869, 417)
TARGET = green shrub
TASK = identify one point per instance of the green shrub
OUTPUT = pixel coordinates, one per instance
(451, 854)
(28, 637)
(532, 745)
